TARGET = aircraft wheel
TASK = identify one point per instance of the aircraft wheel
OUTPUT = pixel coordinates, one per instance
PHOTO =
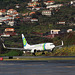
(52, 50)
(35, 51)
(43, 53)
(49, 51)
(33, 54)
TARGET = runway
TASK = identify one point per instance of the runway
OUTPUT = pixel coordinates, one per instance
(55, 67)
(40, 56)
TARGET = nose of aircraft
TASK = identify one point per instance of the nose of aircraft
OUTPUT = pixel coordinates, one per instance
(53, 46)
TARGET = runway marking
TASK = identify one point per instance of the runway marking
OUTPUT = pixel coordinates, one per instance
(65, 66)
(34, 64)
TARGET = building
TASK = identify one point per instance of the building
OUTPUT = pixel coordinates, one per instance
(25, 14)
(33, 4)
(9, 29)
(27, 19)
(9, 32)
(36, 8)
(46, 12)
(11, 23)
(2, 12)
(17, 6)
(49, 2)
(55, 31)
(8, 15)
(54, 6)
(72, 2)
(61, 22)
(31, 13)
(69, 30)
(34, 0)
(12, 12)
(34, 20)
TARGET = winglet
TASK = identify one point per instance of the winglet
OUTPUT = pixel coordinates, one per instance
(3, 45)
(62, 43)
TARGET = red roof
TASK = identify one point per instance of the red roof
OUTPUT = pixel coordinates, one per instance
(2, 10)
(17, 17)
(15, 12)
(9, 15)
(50, 1)
(34, 18)
(32, 13)
(8, 19)
(9, 28)
(11, 9)
(61, 21)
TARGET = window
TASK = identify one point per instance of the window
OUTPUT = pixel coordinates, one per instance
(51, 44)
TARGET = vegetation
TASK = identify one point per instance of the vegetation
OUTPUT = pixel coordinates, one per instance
(65, 51)
(45, 24)
(12, 53)
(40, 59)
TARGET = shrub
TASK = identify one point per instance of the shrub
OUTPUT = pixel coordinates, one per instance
(13, 53)
(66, 51)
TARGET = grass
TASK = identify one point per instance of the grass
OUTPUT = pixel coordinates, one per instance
(70, 58)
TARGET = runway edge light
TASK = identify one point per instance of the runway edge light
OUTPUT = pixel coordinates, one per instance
(1, 58)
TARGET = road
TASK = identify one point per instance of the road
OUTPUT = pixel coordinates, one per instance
(55, 67)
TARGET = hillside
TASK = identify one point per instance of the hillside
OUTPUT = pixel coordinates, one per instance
(45, 24)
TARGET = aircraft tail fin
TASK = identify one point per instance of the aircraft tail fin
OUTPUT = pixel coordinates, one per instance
(25, 44)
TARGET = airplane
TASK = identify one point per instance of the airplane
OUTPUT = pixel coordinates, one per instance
(36, 47)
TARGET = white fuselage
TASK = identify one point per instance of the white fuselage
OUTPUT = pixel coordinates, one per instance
(43, 46)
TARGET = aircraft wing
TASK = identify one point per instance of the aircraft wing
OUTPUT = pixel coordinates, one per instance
(22, 49)
(15, 48)
(60, 45)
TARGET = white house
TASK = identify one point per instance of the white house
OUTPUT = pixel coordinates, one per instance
(72, 2)
(54, 6)
(5, 18)
(12, 11)
(34, 20)
(11, 23)
(55, 31)
(33, 4)
(36, 8)
(49, 2)
(2, 12)
(61, 22)
(17, 6)
(9, 29)
(46, 12)
(34, 0)
(69, 30)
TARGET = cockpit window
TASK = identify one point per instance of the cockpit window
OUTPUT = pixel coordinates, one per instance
(51, 44)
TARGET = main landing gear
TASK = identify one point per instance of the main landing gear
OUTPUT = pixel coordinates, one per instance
(43, 53)
(34, 53)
